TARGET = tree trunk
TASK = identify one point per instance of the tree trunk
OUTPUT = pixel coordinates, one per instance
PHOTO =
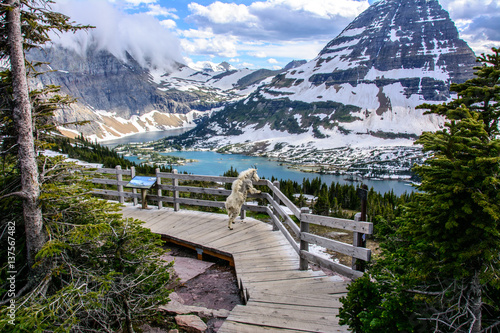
(23, 120)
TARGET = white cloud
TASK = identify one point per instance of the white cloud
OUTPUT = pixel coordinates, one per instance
(247, 65)
(140, 35)
(478, 22)
(272, 61)
(212, 45)
(169, 24)
(320, 8)
(278, 20)
(219, 12)
(138, 2)
(296, 50)
(157, 10)
(259, 54)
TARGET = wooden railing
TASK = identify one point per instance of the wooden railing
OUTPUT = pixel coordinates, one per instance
(298, 235)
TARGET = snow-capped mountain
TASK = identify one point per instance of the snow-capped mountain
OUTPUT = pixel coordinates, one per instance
(360, 91)
(208, 66)
(120, 97)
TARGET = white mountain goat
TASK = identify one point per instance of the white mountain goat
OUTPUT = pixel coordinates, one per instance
(241, 187)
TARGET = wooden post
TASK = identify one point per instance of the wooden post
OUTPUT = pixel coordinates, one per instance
(277, 199)
(134, 191)
(304, 246)
(199, 253)
(158, 183)
(359, 239)
(118, 180)
(144, 193)
(175, 183)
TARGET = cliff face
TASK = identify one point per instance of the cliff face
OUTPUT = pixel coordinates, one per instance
(103, 82)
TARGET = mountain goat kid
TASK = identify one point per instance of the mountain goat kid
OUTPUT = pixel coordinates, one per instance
(240, 188)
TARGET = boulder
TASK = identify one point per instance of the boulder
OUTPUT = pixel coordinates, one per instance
(191, 323)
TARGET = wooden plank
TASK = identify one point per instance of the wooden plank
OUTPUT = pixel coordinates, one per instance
(201, 232)
(282, 267)
(283, 319)
(348, 249)
(113, 171)
(283, 230)
(264, 244)
(305, 286)
(225, 236)
(284, 199)
(245, 234)
(169, 227)
(328, 311)
(339, 268)
(115, 193)
(108, 181)
(199, 190)
(279, 276)
(149, 217)
(184, 227)
(291, 313)
(331, 303)
(282, 213)
(333, 222)
(235, 327)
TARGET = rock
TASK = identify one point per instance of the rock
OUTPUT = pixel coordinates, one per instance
(174, 297)
(175, 306)
(187, 268)
(191, 323)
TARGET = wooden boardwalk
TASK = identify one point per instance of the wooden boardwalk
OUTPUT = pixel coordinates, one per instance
(280, 297)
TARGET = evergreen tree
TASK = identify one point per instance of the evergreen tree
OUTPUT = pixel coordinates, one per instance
(441, 261)
(322, 204)
(94, 271)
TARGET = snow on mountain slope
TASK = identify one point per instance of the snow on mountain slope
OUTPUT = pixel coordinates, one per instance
(360, 92)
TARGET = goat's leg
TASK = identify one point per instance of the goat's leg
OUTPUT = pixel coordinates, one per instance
(232, 217)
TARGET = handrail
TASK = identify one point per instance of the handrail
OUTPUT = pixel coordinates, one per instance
(277, 214)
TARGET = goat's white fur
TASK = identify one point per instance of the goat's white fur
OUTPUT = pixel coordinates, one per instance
(240, 188)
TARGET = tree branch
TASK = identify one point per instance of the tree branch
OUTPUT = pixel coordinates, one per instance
(20, 194)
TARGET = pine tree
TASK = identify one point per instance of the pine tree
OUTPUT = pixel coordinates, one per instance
(442, 260)
(322, 204)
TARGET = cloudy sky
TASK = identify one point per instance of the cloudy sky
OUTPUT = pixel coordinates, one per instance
(246, 33)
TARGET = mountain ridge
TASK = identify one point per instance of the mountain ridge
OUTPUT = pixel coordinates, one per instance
(120, 97)
(382, 78)
(360, 92)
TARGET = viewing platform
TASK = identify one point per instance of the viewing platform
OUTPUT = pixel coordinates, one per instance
(280, 291)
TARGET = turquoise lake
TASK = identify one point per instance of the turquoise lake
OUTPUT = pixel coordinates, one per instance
(214, 164)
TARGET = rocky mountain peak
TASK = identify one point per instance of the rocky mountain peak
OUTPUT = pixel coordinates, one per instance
(294, 64)
(226, 66)
(394, 35)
